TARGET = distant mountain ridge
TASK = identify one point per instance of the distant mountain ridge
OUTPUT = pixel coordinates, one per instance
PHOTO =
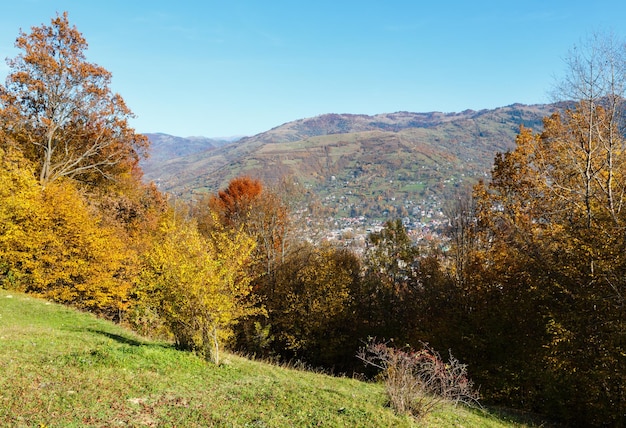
(394, 159)
(164, 146)
(329, 124)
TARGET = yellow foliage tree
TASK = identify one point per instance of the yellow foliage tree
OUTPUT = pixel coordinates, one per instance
(197, 284)
(53, 245)
(80, 261)
(19, 195)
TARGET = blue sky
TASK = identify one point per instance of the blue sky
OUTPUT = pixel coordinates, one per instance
(222, 68)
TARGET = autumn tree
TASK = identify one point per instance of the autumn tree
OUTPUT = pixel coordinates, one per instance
(19, 202)
(497, 296)
(544, 284)
(60, 110)
(259, 210)
(585, 164)
(233, 204)
(198, 285)
(53, 245)
(587, 189)
(310, 305)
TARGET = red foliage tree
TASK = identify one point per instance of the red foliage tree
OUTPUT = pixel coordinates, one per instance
(233, 205)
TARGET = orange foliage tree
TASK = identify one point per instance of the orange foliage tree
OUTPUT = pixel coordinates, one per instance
(260, 211)
(60, 110)
(544, 283)
(235, 203)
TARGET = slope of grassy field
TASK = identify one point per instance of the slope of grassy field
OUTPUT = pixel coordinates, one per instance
(62, 368)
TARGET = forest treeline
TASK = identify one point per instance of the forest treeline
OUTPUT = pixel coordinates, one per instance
(527, 289)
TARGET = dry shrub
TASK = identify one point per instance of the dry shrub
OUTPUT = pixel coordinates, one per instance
(417, 381)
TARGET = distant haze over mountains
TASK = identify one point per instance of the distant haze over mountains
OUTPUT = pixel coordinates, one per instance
(359, 164)
(165, 147)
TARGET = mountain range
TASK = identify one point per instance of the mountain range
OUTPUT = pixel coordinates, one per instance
(356, 165)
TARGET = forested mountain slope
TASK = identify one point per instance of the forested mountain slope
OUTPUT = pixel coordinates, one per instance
(363, 165)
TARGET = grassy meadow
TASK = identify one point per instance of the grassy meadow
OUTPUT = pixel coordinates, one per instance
(63, 368)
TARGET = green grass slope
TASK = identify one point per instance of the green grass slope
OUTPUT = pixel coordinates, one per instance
(62, 368)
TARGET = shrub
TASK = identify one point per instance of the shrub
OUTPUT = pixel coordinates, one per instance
(197, 286)
(417, 381)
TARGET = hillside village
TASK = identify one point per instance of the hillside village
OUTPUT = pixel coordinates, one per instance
(426, 221)
(360, 170)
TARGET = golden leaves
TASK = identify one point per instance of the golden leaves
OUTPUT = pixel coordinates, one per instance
(53, 245)
(196, 284)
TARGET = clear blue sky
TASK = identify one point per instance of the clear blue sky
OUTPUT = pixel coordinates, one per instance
(222, 68)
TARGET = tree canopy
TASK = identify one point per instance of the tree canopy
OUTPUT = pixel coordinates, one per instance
(60, 110)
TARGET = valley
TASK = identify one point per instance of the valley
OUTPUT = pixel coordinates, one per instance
(354, 171)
